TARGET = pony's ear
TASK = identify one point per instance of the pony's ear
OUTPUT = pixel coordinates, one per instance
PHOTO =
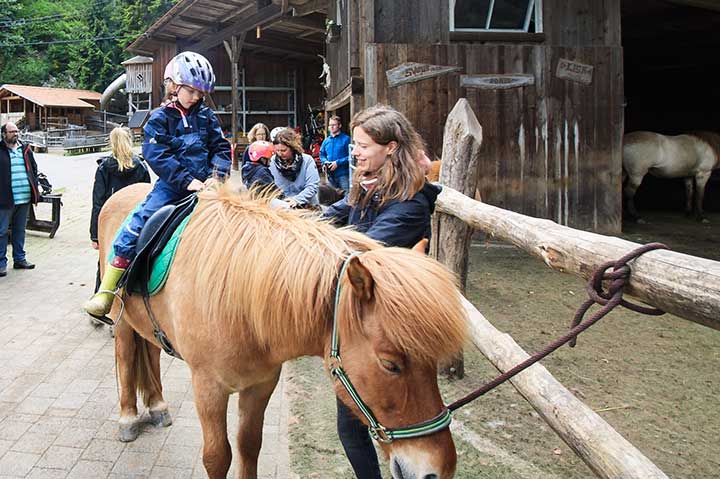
(421, 246)
(360, 279)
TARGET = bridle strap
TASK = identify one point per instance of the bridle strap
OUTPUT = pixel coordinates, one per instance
(377, 431)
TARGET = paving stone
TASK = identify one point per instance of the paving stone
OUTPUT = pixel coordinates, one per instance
(60, 457)
(90, 469)
(13, 430)
(34, 405)
(178, 456)
(73, 437)
(34, 443)
(162, 472)
(18, 463)
(41, 473)
(103, 450)
(134, 463)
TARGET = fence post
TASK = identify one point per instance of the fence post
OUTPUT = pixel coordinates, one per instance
(459, 170)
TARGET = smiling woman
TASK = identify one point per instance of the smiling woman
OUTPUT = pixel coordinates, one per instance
(391, 202)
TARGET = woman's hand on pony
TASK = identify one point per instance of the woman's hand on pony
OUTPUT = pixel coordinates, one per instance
(94, 244)
(195, 185)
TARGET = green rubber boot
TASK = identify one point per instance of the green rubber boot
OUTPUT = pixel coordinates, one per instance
(101, 303)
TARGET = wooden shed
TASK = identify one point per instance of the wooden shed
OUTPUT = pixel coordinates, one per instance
(40, 108)
(268, 51)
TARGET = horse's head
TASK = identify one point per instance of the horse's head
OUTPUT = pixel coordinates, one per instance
(399, 314)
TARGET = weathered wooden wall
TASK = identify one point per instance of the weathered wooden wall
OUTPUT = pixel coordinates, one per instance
(551, 149)
(338, 53)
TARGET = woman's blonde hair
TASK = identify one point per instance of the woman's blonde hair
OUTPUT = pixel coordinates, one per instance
(400, 177)
(289, 138)
(121, 140)
(253, 131)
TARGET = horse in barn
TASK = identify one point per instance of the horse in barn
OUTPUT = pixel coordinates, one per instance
(691, 156)
(252, 287)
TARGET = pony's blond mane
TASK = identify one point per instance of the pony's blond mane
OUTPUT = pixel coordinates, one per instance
(276, 272)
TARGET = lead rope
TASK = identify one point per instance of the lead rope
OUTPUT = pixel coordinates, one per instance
(613, 297)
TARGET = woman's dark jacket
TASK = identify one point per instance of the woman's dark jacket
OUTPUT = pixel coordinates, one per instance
(6, 195)
(108, 180)
(396, 223)
(256, 174)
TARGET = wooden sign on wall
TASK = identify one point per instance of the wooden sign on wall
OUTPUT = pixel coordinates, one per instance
(412, 72)
(574, 71)
(496, 82)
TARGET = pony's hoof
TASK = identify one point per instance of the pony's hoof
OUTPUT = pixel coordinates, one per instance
(129, 432)
(160, 418)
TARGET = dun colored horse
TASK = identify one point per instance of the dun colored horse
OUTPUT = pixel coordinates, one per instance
(252, 287)
(693, 157)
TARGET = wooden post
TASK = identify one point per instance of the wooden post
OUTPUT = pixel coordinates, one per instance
(233, 51)
(684, 285)
(451, 236)
(606, 452)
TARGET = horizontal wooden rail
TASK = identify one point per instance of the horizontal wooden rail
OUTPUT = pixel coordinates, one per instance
(684, 285)
(606, 452)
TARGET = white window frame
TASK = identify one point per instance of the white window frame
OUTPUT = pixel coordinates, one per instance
(534, 9)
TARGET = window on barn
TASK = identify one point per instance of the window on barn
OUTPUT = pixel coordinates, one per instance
(496, 16)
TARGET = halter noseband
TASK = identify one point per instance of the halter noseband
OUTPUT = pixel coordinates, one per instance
(377, 431)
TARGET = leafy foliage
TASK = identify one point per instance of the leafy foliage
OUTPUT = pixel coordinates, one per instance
(39, 39)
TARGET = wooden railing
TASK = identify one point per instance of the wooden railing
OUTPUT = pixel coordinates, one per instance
(684, 285)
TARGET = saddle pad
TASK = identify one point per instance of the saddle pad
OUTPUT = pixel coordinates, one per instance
(162, 263)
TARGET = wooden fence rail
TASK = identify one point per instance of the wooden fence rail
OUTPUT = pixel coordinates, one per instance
(605, 451)
(680, 284)
(684, 285)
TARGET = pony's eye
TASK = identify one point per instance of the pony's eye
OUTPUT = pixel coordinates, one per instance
(390, 366)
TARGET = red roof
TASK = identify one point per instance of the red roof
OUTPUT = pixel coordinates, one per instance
(58, 97)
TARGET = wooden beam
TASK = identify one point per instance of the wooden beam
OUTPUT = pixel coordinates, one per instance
(261, 17)
(706, 4)
(684, 285)
(308, 24)
(607, 453)
(311, 7)
(288, 44)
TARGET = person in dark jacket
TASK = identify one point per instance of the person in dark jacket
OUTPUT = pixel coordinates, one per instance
(391, 202)
(185, 146)
(255, 171)
(18, 191)
(114, 173)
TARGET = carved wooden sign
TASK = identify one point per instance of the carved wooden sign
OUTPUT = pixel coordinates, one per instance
(574, 71)
(412, 72)
(496, 82)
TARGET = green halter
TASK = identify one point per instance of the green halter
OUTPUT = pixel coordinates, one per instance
(377, 430)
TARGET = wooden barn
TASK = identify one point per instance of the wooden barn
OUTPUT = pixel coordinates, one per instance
(40, 108)
(545, 78)
(269, 51)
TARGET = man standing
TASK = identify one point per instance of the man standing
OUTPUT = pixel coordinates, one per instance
(335, 155)
(18, 188)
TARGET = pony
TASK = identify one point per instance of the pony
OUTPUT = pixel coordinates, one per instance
(691, 156)
(252, 287)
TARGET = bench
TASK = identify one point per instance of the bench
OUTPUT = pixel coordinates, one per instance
(81, 149)
(53, 224)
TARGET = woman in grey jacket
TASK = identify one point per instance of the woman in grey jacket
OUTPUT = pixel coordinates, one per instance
(294, 172)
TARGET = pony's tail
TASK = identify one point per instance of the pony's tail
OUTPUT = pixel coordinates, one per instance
(147, 383)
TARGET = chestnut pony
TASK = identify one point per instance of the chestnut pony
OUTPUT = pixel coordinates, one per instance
(252, 287)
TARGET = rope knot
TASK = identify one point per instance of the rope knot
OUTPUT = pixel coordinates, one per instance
(617, 279)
